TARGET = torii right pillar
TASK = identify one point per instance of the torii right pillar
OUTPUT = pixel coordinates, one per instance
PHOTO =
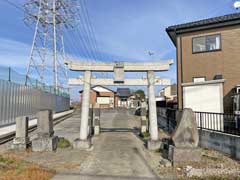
(154, 143)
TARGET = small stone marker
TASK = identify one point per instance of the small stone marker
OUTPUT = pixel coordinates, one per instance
(143, 124)
(90, 120)
(45, 141)
(185, 139)
(143, 114)
(96, 120)
(21, 140)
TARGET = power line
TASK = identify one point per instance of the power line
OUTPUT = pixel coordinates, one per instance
(91, 29)
(14, 5)
(84, 35)
(88, 27)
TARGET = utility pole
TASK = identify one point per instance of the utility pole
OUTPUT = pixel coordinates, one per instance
(47, 52)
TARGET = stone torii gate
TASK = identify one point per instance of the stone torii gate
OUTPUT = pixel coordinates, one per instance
(118, 68)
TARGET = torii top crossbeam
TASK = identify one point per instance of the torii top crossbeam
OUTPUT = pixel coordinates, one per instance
(127, 66)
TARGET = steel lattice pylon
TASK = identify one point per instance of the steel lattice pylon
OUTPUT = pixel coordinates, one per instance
(47, 54)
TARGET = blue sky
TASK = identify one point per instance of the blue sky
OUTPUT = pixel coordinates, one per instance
(125, 30)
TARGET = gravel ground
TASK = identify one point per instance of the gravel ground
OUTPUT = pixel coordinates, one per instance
(119, 153)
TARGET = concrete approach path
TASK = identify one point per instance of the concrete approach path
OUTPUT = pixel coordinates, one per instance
(117, 152)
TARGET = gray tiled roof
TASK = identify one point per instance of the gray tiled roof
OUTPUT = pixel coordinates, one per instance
(123, 92)
(204, 22)
(211, 23)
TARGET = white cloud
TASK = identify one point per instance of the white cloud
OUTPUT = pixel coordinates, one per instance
(13, 53)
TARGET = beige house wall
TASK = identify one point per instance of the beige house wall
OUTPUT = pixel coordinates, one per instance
(225, 62)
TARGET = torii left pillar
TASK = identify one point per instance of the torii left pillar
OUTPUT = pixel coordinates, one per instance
(154, 143)
(84, 141)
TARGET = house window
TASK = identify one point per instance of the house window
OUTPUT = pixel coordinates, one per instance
(206, 43)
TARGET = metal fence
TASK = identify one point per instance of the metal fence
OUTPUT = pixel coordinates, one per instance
(167, 118)
(225, 123)
(10, 75)
(18, 99)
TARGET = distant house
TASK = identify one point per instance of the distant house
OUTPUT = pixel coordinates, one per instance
(169, 96)
(169, 92)
(208, 62)
(105, 97)
(124, 95)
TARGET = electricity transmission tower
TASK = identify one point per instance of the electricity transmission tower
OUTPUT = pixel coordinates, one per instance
(50, 18)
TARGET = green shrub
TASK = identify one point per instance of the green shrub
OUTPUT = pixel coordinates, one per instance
(63, 143)
(144, 136)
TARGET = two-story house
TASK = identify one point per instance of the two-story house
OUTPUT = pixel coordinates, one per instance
(208, 51)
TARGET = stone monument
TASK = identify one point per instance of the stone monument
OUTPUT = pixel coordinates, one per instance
(21, 140)
(45, 141)
(185, 139)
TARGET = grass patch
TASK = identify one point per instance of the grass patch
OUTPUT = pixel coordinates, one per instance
(158, 150)
(6, 160)
(144, 135)
(211, 157)
(15, 168)
(63, 143)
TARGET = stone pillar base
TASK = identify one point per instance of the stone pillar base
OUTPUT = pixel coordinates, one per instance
(42, 144)
(186, 154)
(154, 145)
(82, 144)
(20, 144)
(96, 130)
